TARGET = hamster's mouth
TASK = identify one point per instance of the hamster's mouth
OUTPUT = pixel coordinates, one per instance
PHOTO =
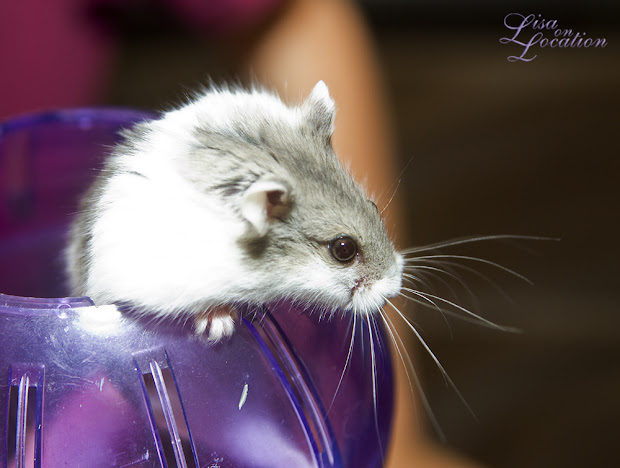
(367, 294)
(365, 298)
(359, 283)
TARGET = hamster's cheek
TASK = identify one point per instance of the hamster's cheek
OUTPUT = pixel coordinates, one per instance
(399, 261)
(327, 284)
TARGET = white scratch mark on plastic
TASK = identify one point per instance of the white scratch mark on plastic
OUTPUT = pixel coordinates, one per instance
(101, 384)
(244, 396)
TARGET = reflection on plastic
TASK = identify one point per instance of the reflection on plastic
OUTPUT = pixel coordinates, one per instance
(102, 321)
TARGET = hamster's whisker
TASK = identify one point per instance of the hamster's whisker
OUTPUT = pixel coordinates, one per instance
(474, 259)
(376, 328)
(398, 180)
(393, 334)
(429, 296)
(392, 196)
(408, 366)
(441, 266)
(346, 364)
(469, 240)
(443, 371)
(423, 343)
(437, 277)
(427, 302)
(436, 273)
(401, 349)
(413, 279)
(450, 271)
(450, 313)
(447, 267)
(371, 338)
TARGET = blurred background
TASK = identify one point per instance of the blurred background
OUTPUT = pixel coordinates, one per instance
(486, 146)
(518, 148)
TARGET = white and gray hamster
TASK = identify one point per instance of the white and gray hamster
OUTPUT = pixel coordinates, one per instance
(233, 198)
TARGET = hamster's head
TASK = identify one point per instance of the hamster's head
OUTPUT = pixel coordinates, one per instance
(310, 233)
(339, 252)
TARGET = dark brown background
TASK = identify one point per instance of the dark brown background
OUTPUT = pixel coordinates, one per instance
(489, 147)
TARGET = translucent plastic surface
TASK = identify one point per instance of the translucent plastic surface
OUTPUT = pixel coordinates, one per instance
(86, 386)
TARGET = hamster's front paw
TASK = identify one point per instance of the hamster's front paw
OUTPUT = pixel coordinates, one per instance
(216, 324)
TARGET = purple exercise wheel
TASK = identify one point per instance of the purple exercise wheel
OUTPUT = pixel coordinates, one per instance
(86, 386)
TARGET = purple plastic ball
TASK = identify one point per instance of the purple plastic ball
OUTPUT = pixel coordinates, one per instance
(86, 386)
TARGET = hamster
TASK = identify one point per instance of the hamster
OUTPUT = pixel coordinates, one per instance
(232, 198)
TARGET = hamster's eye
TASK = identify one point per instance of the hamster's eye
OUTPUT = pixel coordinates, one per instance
(343, 248)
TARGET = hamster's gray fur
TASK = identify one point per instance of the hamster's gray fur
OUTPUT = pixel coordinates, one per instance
(234, 197)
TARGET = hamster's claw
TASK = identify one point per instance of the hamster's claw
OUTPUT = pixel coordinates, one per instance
(216, 324)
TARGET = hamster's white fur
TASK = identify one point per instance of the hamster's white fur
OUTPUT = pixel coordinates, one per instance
(233, 198)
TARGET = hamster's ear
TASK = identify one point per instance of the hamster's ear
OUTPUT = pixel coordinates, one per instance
(320, 109)
(263, 201)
